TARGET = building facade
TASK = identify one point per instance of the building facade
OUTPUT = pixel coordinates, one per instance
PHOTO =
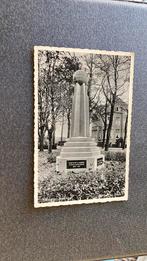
(118, 125)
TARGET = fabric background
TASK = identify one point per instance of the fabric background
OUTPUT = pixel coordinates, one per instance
(72, 232)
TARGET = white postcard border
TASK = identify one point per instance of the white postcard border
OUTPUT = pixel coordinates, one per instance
(89, 201)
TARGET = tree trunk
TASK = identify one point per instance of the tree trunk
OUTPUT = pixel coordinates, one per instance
(62, 128)
(104, 135)
(50, 132)
(125, 135)
(89, 85)
(41, 139)
(41, 128)
(110, 124)
(112, 102)
(105, 125)
(41, 143)
(53, 138)
(68, 124)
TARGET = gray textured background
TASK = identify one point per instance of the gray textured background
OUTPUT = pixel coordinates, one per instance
(74, 232)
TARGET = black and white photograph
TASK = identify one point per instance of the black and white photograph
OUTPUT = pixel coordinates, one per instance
(82, 125)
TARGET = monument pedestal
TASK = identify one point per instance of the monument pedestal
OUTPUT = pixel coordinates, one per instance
(78, 154)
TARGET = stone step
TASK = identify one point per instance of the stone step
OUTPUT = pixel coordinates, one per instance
(78, 154)
(81, 149)
(81, 139)
(80, 144)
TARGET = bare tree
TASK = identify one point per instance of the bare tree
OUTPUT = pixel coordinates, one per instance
(125, 130)
(94, 88)
(43, 102)
(108, 80)
(70, 64)
(55, 90)
(115, 78)
(100, 112)
(50, 92)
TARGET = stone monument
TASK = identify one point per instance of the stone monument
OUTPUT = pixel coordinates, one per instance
(80, 152)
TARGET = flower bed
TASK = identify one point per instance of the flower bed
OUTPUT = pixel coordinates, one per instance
(106, 183)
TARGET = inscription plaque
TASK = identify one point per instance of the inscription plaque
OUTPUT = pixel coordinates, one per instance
(76, 164)
(99, 161)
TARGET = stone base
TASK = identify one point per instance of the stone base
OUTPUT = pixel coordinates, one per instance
(79, 154)
(79, 164)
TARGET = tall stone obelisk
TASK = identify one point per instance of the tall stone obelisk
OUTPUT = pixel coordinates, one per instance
(80, 106)
(80, 152)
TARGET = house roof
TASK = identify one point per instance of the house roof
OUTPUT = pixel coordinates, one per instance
(121, 103)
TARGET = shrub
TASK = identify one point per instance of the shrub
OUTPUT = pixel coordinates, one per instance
(115, 156)
(51, 158)
(108, 182)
